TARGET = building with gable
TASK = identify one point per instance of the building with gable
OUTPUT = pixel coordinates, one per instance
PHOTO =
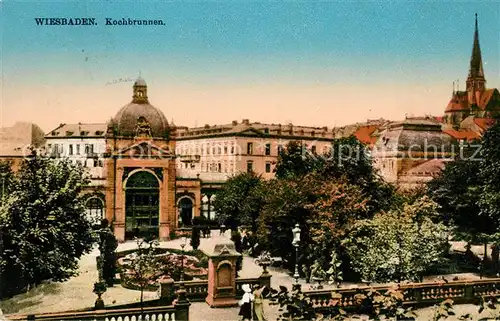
(477, 100)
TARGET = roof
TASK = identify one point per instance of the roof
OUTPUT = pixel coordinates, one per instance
(255, 128)
(78, 130)
(467, 135)
(140, 82)
(364, 134)
(484, 123)
(458, 102)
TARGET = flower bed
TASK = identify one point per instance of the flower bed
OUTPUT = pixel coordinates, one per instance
(195, 267)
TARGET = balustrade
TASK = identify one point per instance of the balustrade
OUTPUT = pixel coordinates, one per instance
(147, 314)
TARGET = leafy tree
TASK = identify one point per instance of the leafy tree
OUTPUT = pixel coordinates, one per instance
(7, 179)
(239, 201)
(398, 245)
(336, 207)
(294, 161)
(43, 223)
(457, 190)
(490, 174)
(285, 204)
(145, 267)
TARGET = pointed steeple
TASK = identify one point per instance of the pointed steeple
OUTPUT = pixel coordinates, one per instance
(475, 80)
(476, 62)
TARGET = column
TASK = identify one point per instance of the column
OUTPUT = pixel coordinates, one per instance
(119, 224)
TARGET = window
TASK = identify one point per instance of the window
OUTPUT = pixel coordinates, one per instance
(280, 149)
(268, 149)
(71, 149)
(249, 166)
(95, 162)
(49, 147)
(249, 148)
(313, 149)
(232, 150)
(219, 150)
(219, 167)
(268, 167)
(100, 163)
(78, 149)
(225, 149)
(266, 130)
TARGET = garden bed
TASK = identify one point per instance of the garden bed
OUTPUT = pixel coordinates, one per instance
(195, 267)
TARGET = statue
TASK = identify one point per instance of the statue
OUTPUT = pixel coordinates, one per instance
(142, 128)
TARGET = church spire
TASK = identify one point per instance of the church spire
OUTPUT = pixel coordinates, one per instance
(475, 80)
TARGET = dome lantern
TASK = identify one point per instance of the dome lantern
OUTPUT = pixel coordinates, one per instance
(139, 118)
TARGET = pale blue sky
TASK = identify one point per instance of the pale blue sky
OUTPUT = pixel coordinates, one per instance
(221, 60)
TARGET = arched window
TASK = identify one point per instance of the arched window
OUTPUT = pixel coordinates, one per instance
(95, 209)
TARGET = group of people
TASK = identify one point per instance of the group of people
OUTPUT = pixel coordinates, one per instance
(252, 303)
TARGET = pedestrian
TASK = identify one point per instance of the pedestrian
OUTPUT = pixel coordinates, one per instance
(258, 303)
(246, 303)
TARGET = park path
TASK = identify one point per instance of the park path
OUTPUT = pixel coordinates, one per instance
(76, 293)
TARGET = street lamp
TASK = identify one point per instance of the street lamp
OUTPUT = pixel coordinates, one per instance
(295, 242)
(181, 293)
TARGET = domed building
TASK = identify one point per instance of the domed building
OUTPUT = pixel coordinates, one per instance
(141, 170)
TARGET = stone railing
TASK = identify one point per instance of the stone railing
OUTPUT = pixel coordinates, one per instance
(417, 294)
(165, 313)
(197, 291)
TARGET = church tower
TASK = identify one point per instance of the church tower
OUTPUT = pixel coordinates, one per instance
(475, 84)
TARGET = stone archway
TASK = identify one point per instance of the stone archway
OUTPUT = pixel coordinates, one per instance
(142, 200)
(186, 210)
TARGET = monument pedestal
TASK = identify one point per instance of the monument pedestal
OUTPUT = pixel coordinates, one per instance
(221, 273)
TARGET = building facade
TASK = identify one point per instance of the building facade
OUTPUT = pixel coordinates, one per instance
(17, 141)
(149, 176)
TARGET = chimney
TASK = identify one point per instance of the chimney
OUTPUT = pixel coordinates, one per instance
(235, 122)
(246, 122)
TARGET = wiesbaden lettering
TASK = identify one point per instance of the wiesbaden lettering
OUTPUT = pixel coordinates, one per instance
(133, 22)
(65, 21)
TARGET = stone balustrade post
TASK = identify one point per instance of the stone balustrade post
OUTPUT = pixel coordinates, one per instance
(181, 310)
(166, 290)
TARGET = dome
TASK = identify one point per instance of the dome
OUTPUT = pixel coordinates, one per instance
(139, 117)
(140, 82)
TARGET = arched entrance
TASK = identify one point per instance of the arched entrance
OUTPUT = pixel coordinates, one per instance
(141, 205)
(185, 211)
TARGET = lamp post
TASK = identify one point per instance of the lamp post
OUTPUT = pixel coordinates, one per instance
(181, 293)
(295, 242)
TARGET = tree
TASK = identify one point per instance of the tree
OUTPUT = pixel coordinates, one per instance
(146, 267)
(44, 215)
(398, 245)
(285, 204)
(457, 190)
(489, 200)
(239, 201)
(294, 161)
